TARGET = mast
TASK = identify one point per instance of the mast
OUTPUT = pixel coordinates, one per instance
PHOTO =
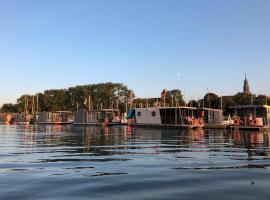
(25, 104)
(37, 103)
(33, 105)
(89, 102)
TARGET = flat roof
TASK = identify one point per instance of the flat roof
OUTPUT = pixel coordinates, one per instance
(249, 106)
(100, 110)
(56, 112)
(182, 107)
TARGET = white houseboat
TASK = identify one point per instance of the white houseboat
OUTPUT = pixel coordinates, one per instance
(183, 117)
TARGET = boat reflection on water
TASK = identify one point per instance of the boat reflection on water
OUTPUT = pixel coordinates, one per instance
(95, 136)
(157, 163)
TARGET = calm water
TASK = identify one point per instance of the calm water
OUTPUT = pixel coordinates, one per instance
(54, 162)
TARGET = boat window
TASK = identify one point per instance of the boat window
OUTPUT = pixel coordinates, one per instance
(139, 114)
(154, 113)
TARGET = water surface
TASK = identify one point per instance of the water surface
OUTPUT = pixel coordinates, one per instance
(67, 162)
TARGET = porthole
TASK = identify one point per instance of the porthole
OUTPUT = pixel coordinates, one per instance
(154, 113)
(139, 114)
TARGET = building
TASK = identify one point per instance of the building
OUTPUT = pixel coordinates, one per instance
(246, 89)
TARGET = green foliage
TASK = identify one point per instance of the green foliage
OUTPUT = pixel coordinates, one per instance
(262, 100)
(193, 103)
(244, 99)
(212, 100)
(9, 108)
(109, 95)
(173, 97)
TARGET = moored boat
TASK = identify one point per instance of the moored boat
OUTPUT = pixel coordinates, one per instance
(175, 117)
(56, 117)
(102, 117)
(250, 117)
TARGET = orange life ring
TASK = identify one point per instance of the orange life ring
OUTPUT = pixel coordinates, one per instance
(236, 122)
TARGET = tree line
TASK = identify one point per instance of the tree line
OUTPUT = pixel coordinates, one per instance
(212, 100)
(119, 96)
(97, 96)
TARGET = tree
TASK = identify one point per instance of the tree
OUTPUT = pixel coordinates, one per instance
(212, 100)
(109, 95)
(9, 108)
(193, 103)
(261, 100)
(173, 97)
(244, 98)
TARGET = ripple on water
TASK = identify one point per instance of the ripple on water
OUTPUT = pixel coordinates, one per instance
(66, 162)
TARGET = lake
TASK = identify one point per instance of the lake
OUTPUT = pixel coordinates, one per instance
(68, 162)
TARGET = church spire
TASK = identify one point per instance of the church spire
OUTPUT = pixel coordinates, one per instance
(246, 86)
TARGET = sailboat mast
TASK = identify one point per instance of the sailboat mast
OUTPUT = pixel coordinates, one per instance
(37, 103)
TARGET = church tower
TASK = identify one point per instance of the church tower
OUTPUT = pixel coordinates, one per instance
(246, 86)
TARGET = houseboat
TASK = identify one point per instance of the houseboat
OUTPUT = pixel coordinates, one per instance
(182, 117)
(58, 117)
(250, 117)
(107, 117)
(213, 118)
(21, 119)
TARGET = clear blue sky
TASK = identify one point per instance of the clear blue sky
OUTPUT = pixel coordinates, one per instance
(146, 44)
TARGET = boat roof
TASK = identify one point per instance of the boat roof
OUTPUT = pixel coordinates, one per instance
(58, 112)
(101, 110)
(182, 107)
(249, 106)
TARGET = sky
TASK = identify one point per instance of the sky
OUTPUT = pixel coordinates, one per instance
(147, 45)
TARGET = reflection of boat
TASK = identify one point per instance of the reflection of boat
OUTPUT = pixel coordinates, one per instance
(175, 117)
(251, 117)
(107, 117)
(59, 117)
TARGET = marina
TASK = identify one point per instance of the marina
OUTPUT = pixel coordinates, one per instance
(134, 100)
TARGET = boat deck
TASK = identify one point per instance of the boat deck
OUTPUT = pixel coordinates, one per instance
(249, 128)
(97, 124)
(182, 126)
(54, 123)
